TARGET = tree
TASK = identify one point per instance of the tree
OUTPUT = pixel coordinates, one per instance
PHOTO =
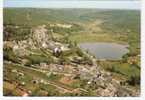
(125, 57)
(133, 80)
(9, 55)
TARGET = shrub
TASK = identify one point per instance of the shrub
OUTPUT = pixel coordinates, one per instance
(12, 33)
(9, 55)
(64, 60)
(37, 59)
(87, 60)
(79, 52)
(125, 57)
(134, 80)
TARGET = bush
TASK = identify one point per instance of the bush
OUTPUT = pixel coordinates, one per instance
(37, 59)
(54, 77)
(87, 60)
(10, 56)
(13, 33)
(79, 52)
(64, 60)
(125, 57)
(134, 80)
(112, 69)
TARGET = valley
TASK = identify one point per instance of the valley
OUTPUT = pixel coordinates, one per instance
(42, 56)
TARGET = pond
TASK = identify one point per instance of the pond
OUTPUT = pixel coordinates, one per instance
(109, 51)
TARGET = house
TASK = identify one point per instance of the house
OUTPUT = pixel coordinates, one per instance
(43, 65)
(44, 45)
(61, 25)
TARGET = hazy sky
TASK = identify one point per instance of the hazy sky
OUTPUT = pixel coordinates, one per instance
(73, 4)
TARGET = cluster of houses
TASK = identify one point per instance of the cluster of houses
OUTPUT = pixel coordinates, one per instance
(92, 73)
(61, 25)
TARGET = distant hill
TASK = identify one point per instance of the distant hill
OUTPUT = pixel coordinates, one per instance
(113, 19)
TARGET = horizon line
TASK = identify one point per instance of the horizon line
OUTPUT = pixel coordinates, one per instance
(67, 8)
(73, 4)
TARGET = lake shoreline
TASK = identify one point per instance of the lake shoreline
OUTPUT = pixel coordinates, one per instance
(105, 51)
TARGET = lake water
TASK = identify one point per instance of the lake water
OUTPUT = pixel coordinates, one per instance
(111, 51)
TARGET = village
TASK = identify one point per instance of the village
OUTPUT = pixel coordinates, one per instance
(41, 65)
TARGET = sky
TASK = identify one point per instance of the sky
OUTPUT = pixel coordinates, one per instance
(73, 4)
